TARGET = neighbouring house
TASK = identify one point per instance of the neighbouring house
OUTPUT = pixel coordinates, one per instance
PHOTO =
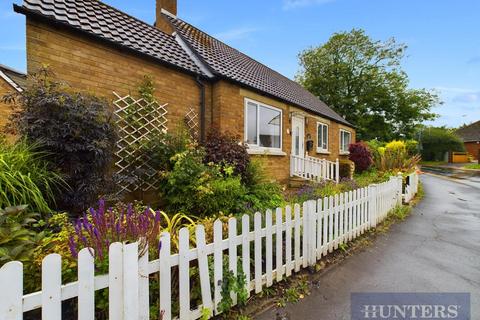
(10, 81)
(97, 48)
(471, 138)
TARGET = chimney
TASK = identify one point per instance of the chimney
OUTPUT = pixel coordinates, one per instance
(161, 22)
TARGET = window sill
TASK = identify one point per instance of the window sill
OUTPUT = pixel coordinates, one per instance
(321, 151)
(344, 153)
(266, 152)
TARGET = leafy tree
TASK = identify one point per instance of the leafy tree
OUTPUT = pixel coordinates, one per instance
(361, 79)
(436, 141)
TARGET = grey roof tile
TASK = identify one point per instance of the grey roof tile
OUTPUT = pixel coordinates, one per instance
(470, 133)
(97, 18)
(103, 21)
(232, 64)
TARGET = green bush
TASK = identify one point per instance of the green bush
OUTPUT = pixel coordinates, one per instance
(25, 177)
(436, 141)
(261, 194)
(345, 169)
(395, 155)
(17, 235)
(212, 187)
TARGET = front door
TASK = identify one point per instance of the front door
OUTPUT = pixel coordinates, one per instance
(298, 136)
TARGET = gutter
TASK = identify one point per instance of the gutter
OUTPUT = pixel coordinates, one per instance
(201, 85)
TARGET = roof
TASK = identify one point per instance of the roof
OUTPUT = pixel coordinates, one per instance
(470, 133)
(232, 64)
(15, 78)
(195, 51)
(98, 19)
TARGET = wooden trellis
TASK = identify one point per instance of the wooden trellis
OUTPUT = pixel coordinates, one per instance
(191, 121)
(137, 120)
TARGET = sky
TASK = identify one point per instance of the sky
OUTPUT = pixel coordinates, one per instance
(443, 37)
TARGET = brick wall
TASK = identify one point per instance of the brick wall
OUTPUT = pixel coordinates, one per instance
(91, 66)
(5, 109)
(228, 108)
(473, 148)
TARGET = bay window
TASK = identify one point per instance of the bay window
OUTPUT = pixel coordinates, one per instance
(263, 125)
(345, 140)
(322, 137)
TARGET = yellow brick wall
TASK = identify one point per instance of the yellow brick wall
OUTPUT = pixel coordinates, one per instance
(228, 109)
(91, 66)
(5, 108)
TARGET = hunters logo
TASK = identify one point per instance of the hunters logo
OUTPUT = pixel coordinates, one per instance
(406, 306)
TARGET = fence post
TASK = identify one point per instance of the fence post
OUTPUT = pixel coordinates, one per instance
(372, 206)
(337, 171)
(11, 278)
(130, 281)
(313, 232)
(399, 188)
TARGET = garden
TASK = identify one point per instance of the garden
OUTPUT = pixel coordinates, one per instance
(60, 192)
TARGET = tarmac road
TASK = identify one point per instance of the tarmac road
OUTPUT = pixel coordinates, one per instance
(437, 249)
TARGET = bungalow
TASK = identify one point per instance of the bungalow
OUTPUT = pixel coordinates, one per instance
(97, 48)
(471, 138)
(10, 81)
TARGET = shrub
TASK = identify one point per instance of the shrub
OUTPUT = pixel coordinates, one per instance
(75, 131)
(346, 169)
(412, 147)
(261, 193)
(361, 156)
(25, 177)
(437, 141)
(17, 235)
(160, 149)
(225, 149)
(396, 146)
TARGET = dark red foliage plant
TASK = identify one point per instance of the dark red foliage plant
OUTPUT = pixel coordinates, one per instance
(226, 149)
(361, 156)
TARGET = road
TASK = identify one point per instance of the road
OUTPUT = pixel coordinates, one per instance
(437, 249)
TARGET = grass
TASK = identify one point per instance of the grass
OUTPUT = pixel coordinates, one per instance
(25, 177)
(474, 166)
(433, 163)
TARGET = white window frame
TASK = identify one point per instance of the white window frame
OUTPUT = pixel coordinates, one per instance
(319, 148)
(341, 144)
(257, 146)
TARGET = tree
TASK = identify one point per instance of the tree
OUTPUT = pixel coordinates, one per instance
(362, 80)
(436, 141)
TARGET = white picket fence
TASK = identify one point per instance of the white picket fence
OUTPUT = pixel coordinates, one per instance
(314, 169)
(411, 187)
(294, 238)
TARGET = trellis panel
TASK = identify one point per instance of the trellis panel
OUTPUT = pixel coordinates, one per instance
(137, 120)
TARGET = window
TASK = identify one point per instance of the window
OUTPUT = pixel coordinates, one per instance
(345, 140)
(322, 137)
(263, 125)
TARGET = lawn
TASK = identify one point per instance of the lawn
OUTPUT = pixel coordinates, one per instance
(474, 166)
(433, 163)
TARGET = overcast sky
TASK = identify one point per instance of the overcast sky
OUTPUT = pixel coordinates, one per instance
(443, 37)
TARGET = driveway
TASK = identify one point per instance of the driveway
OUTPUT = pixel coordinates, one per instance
(437, 249)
